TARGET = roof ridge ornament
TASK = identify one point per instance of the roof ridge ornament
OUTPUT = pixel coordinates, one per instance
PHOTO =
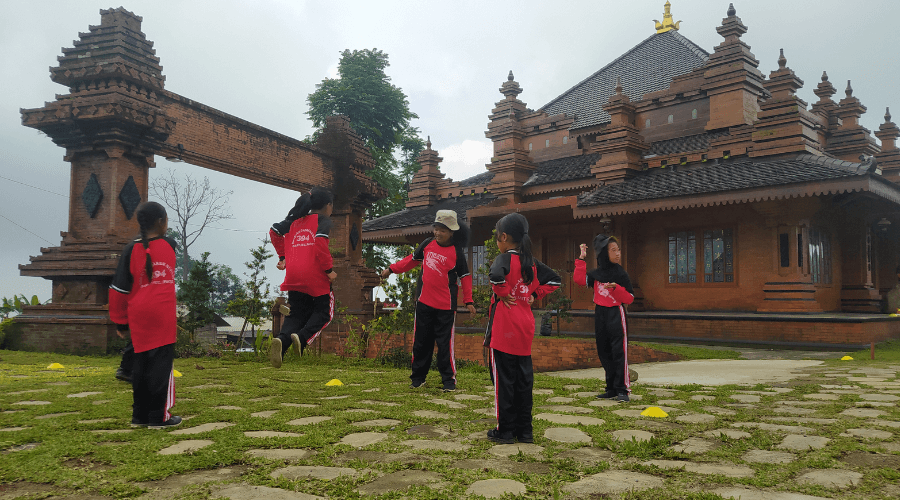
(619, 85)
(510, 77)
(782, 61)
(667, 24)
(731, 11)
(849, 91)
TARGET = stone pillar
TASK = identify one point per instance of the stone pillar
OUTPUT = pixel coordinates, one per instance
(425, 183)
(620, 145)
(851, 139)
(511, 163)
(111, 125)
(889, 157)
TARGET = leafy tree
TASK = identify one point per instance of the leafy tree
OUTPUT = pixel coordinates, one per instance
(15, 304)
(226, 287)
(195, 296)
(252, 300)
(192, 203)
(183, 261)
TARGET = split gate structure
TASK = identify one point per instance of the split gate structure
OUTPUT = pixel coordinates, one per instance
(117, 117)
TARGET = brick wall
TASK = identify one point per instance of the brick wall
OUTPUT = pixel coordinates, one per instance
(548, 353)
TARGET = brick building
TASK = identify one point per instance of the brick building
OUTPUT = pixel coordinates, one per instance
(744, 214)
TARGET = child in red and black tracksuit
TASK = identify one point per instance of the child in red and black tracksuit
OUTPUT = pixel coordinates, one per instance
(301, 242)
(612, 290)
(444, 263)
(142, 299)
(516, 280)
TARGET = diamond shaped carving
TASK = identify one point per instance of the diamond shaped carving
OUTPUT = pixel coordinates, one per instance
(92, 195)
(354, 236)
(129, 197)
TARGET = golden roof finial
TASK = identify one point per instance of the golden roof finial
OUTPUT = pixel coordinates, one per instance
(667, 24)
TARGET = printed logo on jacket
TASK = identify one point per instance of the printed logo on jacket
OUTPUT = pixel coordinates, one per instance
(303, 238)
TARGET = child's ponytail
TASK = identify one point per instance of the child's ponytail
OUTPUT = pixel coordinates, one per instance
(148, 214)
(461, 235)
(516, 226)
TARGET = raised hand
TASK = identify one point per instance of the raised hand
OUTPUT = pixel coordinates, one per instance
(583, 248)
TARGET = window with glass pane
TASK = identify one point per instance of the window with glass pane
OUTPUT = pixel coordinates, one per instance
(718, 256)
(820, 256)
(682, 257)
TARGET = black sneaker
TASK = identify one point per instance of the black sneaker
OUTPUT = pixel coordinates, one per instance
(138, 423)
(173, 421)
(123, 375)
(606, 395)
(449, 387)
(417, 384)
(623, 397)
(495, 436)
(525, 438)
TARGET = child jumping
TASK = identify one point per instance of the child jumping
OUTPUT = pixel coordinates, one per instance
(142, 300)
(308, 275)
(517, 279)
(444, 264)
(612, 289)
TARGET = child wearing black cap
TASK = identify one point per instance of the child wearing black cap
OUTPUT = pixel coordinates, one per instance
(301, 242)
(612, 290)
(444, 264)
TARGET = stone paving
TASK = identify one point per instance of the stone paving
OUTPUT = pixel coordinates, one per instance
(807, 431)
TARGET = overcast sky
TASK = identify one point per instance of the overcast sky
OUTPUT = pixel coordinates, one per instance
(259, 60)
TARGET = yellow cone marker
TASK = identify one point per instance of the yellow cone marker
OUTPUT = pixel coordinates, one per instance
(846, 358)
(654, 411)
(55, 366)
(176, 373)
(334, 382)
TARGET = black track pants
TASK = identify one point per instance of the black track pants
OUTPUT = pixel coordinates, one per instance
(153, 384)
(513, 383)
(433, 326)
(611, 333)
(309, 316)
(127, 358)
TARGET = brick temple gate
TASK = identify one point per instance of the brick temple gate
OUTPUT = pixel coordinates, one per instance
(115, 119)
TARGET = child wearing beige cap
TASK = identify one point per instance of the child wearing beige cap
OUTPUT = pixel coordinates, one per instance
(444, 267)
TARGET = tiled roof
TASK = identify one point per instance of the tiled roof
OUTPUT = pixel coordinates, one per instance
(481, 179)
(699, 142)
(563, 169)
(731, 175)
(425, 215)
(648, 67)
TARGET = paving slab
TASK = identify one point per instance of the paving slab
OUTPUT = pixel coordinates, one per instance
(262, 398)
(862, 413)
(359, 410)
(696, 418)
(793, 410)
(199, 429)
(795, 429)
(264, 414)
(400, 481)
(632, 434)
(702, 397)
(431, 414)
(248, 492)
(709, 372)
(112, 431)
(884, 423)
(561, 399)
(572, 387)
(431, 444)
(362, 439)
(804, 420)
(768, 457)
(271, 434)
(505, 450)
(629, 413)
(83, 394)
(310, 420)
(566, 435)
(603, 403)
(32, 403)
(450, 404)
(495, 488)
(831, 478)
(669, 402)
(378, 422)
(753, 494)
(539, 392)
(803, 443)
(569, 419)
(879, 397)
(380, 457)
(300, 405)
(469, 397)
(730, 433)
(872, 460)
(874, 404)
(296, 472)
(13, 429)
(822, 396)
(486, 411)
(694, 446)
(281, 454)
(566, 409)
(55, 415)
(95, 420)
(662, 393)
(29, 391)
(868, 434)
(720, 411)
(613, 482)
(746, 398)
(227, 407)
(182, 447)
(345, 396)
(726, 470)
(429, 431)
(590, 394)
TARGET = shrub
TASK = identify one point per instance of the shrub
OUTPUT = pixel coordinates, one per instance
(9, 332)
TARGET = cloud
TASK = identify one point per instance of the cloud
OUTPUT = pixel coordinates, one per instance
(466, 159)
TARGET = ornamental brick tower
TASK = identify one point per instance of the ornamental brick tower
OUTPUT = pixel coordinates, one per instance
(110, 125)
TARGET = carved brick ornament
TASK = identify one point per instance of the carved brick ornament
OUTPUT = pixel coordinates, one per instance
(129, 197)
(92, 195)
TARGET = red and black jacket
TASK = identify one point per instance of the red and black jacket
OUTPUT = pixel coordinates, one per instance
(511, 329)
(442, 269)
(145, 305)
(614, 273)
(304, 249)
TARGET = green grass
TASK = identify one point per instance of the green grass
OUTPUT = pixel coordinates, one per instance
(73, 460)
(884, 352)
(689, 352)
